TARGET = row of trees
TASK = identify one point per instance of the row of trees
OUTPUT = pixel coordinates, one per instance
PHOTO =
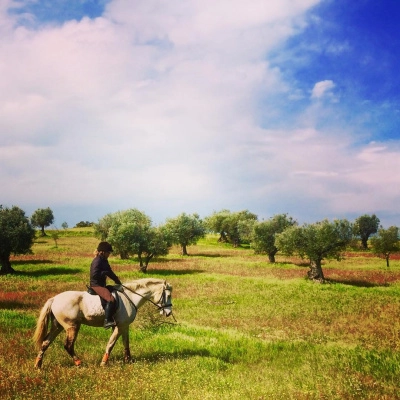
(131, 233)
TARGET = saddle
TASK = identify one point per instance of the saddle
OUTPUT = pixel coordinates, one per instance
(113, 291)
(90, 290)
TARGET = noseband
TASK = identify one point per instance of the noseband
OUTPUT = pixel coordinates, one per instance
(163, 300)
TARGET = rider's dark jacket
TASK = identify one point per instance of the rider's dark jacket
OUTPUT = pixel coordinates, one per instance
(99, 271)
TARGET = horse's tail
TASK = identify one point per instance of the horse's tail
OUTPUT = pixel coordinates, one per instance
(42, 323)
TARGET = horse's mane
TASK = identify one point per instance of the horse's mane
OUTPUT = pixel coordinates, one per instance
(143, 283)
(147, 283)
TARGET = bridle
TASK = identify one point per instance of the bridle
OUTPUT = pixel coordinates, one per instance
(161, 304)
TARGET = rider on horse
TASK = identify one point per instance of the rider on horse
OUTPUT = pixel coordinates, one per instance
(100, 269)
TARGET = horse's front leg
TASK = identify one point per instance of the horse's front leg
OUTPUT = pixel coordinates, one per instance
(125, 340)
(110, 345)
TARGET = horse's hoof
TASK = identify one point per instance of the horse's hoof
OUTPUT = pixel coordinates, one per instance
(38, 363)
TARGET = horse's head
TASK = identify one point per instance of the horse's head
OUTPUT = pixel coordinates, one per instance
(165, 302)
(157, 291)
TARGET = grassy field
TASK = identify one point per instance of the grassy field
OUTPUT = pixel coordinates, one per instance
(246, 329)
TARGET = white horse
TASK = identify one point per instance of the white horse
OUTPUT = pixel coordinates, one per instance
(68, 310)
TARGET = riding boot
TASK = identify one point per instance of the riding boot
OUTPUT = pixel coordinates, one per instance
(109, 312)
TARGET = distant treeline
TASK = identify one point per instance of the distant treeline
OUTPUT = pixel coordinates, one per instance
(84, 224)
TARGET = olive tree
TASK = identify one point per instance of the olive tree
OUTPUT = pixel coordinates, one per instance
(316, 242)
(364, 227)
(184, 230)
(103, 226)
(216, 223)
(156, 243)
(130, 232)
(41, 218)
(264, 234)
(386, 242)
(125, 230)
(232, 227)
(16, 236)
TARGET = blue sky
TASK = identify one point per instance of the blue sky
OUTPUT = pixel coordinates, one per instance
(285, 106)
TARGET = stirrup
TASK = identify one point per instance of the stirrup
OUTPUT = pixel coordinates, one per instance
(109, 324)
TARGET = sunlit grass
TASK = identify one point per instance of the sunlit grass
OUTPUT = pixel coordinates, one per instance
(247, 329)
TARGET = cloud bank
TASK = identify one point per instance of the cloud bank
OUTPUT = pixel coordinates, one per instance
(176, 107)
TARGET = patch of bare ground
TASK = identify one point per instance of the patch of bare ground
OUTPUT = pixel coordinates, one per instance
(367, 254)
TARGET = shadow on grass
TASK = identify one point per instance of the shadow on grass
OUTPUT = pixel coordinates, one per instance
(278, 264)
(169, 272)
(161, 356)
(208, 255)
(302, 264)
(357, 283)
(180, 257)
(49, 271)
(34, 262)
(12, 305)
(159, 260)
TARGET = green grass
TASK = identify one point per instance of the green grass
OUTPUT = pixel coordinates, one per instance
(246, 329)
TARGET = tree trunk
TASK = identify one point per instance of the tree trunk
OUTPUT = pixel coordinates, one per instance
(364, 243)
(142, 265)
(271, 257)
(145, 264)
(184, 250)
(6, 267)
(143, 268)
(236, 242)
(222, 237)
(387, 256)
(43, 232)
(315, 273)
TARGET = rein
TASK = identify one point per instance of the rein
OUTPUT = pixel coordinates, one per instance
(127, 297)
(132, 291)
(151, 301)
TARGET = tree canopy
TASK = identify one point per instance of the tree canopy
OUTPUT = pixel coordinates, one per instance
(184, 230)
(365, 226)
(16, 236)
(41, 218)
(233, 227)
(131, 232)
(316, 242)
(125, 230)
(386, 242)
(155, 244)
(264, 234)
(83, 224)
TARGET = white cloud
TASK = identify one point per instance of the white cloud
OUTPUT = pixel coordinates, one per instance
(162, 106)
(321, 88)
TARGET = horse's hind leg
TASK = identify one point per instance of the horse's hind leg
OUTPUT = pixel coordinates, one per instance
(55, 330)
(72, 333)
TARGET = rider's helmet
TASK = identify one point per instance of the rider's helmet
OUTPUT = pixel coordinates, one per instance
(105, 246)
